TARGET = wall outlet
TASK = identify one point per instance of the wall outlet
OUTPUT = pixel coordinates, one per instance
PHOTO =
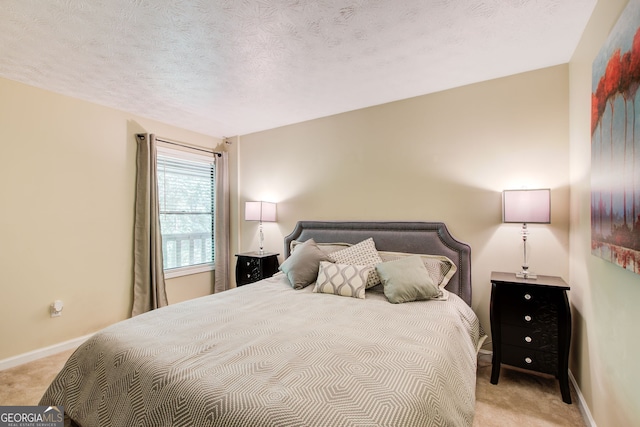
(55, 309)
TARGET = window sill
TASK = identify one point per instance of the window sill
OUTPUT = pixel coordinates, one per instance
(185, 271)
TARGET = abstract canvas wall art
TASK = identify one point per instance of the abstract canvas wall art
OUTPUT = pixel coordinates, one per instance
(615, 144)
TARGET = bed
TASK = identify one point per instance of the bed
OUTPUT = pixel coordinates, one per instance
(266, 354)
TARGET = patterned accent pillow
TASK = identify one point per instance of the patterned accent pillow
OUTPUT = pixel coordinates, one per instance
(363, 253)
(440, 268)
(342, 279)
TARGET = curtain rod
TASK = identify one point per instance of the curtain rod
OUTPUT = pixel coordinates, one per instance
(191, 147)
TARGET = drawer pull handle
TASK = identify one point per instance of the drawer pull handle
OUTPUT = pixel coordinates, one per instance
(527, 318)
(528, 360)
(528, 339)
(527, 296)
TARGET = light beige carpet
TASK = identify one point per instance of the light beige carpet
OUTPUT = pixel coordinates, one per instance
(519, 399)
(522, 399)
(24, 385)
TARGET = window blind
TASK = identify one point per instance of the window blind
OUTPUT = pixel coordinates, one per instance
(186, 195)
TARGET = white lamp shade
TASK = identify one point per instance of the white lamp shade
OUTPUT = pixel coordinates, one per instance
(260, 211)
(527, 206)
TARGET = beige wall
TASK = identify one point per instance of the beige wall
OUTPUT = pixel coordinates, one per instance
(605, 297)
(67, 171)
(184, 288)
(441, 157)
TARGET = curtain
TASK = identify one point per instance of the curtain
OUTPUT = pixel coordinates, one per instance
(149, 290)
(222, 234)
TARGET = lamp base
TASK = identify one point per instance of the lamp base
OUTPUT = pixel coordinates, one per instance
(526, 275)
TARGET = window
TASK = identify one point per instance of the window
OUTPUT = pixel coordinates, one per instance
(186, 195)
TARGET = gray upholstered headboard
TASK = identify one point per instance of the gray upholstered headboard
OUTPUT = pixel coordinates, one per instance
(431, 238)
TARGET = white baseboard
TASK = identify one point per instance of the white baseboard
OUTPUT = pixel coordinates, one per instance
(582, 404)
(41, 352)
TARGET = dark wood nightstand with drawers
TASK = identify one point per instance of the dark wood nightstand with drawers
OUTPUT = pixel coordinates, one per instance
(254, 266)
(531, 326)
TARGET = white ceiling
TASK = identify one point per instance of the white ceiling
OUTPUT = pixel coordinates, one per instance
(232, 67)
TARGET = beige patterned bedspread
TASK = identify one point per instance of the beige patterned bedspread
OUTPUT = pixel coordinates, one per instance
(267, 355)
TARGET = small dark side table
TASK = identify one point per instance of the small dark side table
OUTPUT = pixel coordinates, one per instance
(254, 266)
(531, 326)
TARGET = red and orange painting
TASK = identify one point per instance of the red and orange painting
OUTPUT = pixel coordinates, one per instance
(615, 144)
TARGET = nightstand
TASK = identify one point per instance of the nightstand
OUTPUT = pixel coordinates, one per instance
(254, 266)
(531, 326)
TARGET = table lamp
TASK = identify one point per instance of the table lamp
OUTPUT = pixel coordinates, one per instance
(527, 207)
(260, 211)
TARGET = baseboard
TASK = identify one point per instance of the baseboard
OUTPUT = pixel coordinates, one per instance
(582, 404)
(41, 352)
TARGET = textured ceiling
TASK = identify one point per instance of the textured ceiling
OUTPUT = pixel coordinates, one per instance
(229, 67)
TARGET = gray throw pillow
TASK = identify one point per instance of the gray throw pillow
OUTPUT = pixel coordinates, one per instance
(301, 268)
(406, 279)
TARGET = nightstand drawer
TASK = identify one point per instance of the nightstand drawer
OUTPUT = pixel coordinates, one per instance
(525, 294)
(535, 360)
(543, 338)
(530, 317)
(249, 263)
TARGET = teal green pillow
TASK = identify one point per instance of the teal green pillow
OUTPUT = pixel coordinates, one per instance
(406, 279)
